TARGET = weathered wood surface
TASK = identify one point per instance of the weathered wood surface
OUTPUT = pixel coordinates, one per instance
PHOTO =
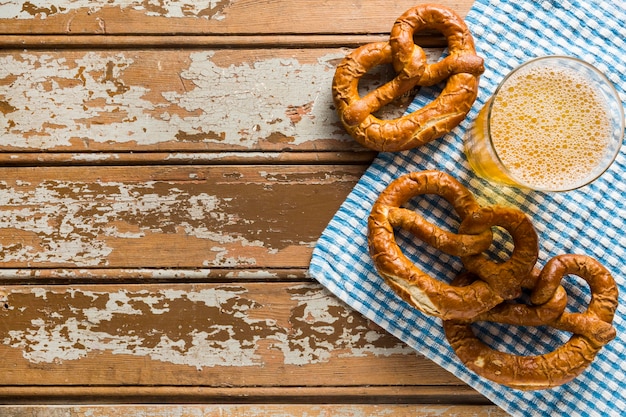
(166, 168)
(163, 216)
(255, 17)
(387, 410)
(169, 100)
(172, 101)
(221, 335)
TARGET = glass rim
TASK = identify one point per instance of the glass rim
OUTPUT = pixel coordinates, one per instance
(604, 79)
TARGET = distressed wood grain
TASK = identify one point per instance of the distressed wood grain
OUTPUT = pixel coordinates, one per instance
(166, 168)
(201, 41)
(175, 101)
(167, 216)
(94, 275)
(167, 100)
(184, 158)
(258, 410)
(216, 335)
(55, 395)
(215, 16)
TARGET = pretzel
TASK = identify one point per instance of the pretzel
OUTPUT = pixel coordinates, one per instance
(591, 330)
(487, 290)
(462, 69)
(412, 284)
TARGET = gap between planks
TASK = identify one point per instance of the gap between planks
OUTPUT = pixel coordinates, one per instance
(425, 394)
(39, 159)
(130, 276)
(137, 41)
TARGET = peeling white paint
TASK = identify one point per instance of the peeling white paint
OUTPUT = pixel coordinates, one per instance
(231, 338)
(212, 297)
(39, 292)
(75, 228)
(56, 103)
(118, 303)
(317, 310)
(256, 109)
(167, 8)
(222, 155)
(253, 274)
(223, 259)
(94, 157)
(74, 339)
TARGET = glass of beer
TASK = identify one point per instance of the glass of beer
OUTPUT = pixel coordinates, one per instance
(554, 123)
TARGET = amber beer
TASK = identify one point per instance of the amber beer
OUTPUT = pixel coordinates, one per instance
(553, 124)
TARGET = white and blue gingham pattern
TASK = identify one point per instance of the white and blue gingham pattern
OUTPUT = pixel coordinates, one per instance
(591, 220)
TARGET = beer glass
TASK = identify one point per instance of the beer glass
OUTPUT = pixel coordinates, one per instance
(554, 123)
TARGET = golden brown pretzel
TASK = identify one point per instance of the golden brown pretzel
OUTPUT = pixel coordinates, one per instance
(413, 285)
(487, 290)
(462, 69)
(591, 331)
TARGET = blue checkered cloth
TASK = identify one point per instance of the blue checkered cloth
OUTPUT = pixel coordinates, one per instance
(591, 220)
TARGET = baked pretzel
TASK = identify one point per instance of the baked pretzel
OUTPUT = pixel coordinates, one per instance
(462, 69)
(487, 291)
(591, 330)
(412, 284)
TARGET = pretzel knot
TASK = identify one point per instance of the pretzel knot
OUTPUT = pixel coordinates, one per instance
(590, 330)
(462, 69)
(427, 294)
(505, 277)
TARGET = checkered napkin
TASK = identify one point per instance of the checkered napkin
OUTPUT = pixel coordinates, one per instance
(591, 220)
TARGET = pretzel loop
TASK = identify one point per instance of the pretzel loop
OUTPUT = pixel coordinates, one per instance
(461, 57)
(412, 284)
(361, 61)
(590, 330)
(462, 69)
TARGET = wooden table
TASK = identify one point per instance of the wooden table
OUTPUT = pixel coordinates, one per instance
(166, 171)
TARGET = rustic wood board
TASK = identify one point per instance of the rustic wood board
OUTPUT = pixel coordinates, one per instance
(183, 101)
(218, 335)
(166, 168)
(225, 216)
(169, 100)
(256, 17)
(282, 410)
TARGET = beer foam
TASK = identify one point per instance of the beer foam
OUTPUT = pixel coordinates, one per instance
(550, 127)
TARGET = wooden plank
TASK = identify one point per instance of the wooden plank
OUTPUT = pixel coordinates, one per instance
(223, 335)
(253, 217)
(220, 16)
(183, 101)
(234, 410)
